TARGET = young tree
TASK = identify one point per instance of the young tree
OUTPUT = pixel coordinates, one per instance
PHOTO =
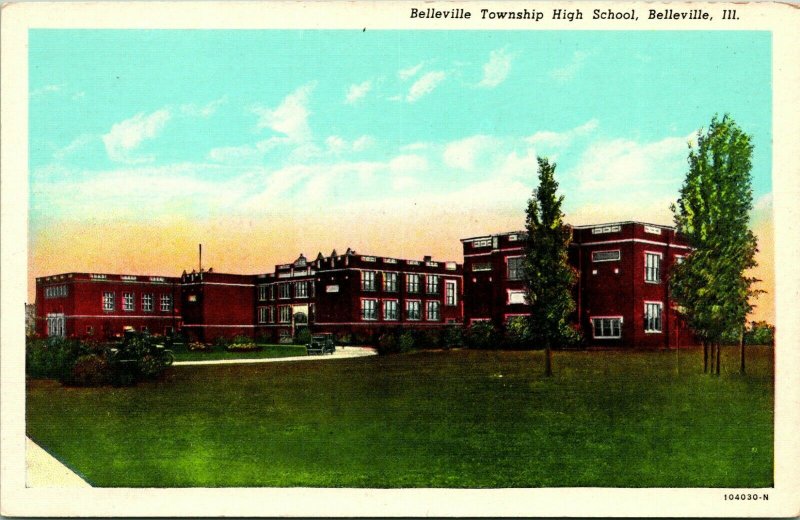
(712, 212)
(548, 276)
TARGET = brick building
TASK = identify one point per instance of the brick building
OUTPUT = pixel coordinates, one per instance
(217, 305)
(99, 305)
(622, 294)
(355, 294)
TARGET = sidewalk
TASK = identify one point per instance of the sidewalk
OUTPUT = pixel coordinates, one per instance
(44, 470)
(341, 353)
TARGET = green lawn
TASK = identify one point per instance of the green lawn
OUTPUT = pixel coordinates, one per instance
(429, 419)
(267, 351)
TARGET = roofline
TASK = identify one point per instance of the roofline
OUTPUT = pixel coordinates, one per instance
(86, 273)
(590, 226)
(504, 233)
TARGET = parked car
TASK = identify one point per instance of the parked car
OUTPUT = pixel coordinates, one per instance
(321, 344)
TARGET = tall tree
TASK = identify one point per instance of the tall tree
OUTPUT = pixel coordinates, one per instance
(548, 276)
(713, 213)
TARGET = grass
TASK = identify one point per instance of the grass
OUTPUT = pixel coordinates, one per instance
(267, 351)
(428, 419)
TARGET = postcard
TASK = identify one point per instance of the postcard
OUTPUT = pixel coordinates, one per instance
(400, 259)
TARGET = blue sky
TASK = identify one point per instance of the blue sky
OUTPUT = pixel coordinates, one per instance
(322, 139)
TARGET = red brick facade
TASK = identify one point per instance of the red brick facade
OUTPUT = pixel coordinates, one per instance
(622, 294)
(101, 305)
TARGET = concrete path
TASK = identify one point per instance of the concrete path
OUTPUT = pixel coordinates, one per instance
(44, 470)
(341, 353)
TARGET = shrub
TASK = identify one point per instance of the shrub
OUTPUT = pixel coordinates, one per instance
(397, 341)
(387, 344)
(196, 346)
(406, 341)
(222, 343)
(89, 370)
(518, 333)
(453, 336)
(760, 333)
(302, 336)
(482, 335)
(52, 357)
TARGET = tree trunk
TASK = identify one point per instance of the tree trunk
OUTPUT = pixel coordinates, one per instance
(705, 357)
(548, 360)
(719, 355)
(741, 352)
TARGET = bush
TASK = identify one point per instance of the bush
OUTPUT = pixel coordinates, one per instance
(406, 342)
(396, 342)
(302, 336)
(52, 357)
(196, 346)
(222, 343)
(387, 344)
(482, 335)
(518, 333)
(453, 336)
(89, 370)
(760, 333)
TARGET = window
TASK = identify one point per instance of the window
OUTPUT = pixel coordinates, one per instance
(108, 301)
(515, 268)
(56, 291)
(652, 317)
(285, 314)
(432, 311)
(127, 301)
(515, 297)
(271, 292)
(607, 327)
(301, 289)
(369, 309)
(652, 267)
(262, 293)
(390, 310)
(367, 280)
(482, 243)
(605, 256)
(482, 266)
(262, 314)
(166, 302)
(450, 293)
(390, 282)
(283, 291)
(147, 302)
(271, 314)
(431, 284)
(412, 283)
(412, 310)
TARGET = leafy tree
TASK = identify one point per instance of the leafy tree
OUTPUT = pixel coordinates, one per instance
(712, 212)
(549, 278)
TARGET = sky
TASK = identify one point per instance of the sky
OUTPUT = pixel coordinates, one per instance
(265, 144)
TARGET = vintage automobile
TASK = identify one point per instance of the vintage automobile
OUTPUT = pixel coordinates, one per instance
(321, 344)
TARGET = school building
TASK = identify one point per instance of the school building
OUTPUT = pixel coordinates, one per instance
(622, 293)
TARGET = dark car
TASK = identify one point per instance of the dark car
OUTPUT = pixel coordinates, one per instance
(321, 344)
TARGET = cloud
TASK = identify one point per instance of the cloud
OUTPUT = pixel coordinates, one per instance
(337, 144)
(425, 85)
(462, 154)
(408, 164)
(356, 92)
(75, 145)
(290, 117)
(126, 136)
(206, 110)
(561, 139)
(409, 72)
(568, 71)
(405, 182)
(496, 69)
(46, 89)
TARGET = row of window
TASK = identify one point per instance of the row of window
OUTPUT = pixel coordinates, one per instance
(302, 289)
(610, 328)
(391, 310)
(129, 302)
(267, 314)
(305, 289)
(514, 269)
(55, 291)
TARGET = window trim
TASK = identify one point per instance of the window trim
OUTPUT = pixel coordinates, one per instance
(384, 277)
(128, 298)
(416, 285)
(447, 284)
(371, 286)
(618, 318)
(109, 301)
(428, 278)
(165, 298)
(508, 268)
(152, 302)
(660, 317)
(428, 305)
(658, 271)
(396, 309)
(375, 309)
(508, 297)
(419, 310)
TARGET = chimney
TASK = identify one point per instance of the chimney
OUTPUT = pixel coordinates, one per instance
(427, 258)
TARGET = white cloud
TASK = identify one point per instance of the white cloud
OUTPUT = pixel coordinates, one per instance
(425, 85)
(47, 89)
(405, 182)
(362, 143)
(622, 165)
(561, 139)
(462, 154)
(337, 144)
(408, 164)
(356, 92)
(126, 136)
(409, 72)
(496, 69)
(206, 110)
(568, 71)
(291, 116)
(76, 144)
